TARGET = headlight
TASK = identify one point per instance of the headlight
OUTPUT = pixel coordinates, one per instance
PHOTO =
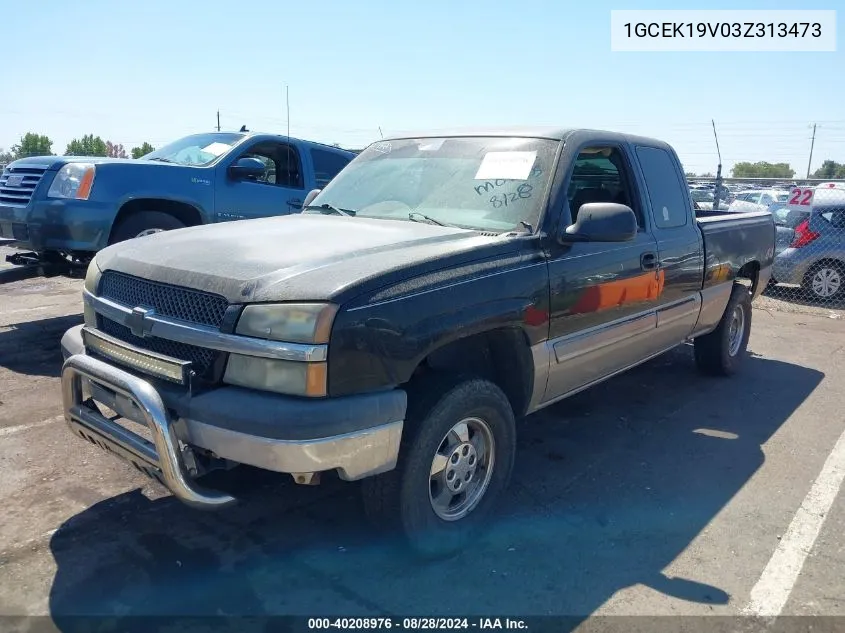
(92, 276)
(74, 180)
(92, 280)
(289, 322)
(282, 376)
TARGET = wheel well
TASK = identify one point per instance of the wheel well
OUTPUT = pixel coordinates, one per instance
(751, 272)
(185, 213)
(502, 356)
(829, 261)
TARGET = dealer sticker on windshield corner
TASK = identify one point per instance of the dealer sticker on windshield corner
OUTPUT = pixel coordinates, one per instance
(506, 166)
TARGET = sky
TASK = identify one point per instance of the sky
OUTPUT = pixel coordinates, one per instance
(157, 70)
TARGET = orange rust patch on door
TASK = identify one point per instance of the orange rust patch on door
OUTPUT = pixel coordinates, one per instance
(612, 294)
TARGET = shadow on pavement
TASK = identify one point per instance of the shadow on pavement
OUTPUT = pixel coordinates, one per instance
(610, 487)
(33, 348)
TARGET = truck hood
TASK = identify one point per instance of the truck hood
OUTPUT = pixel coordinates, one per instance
(294, 258)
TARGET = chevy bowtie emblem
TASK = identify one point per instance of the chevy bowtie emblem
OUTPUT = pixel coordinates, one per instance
(139, 323)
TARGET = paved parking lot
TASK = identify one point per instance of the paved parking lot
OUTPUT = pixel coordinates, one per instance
(657, 493)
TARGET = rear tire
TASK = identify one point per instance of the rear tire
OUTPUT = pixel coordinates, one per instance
(447, 481)
(720, 352)
(825, 281)
(144, 223)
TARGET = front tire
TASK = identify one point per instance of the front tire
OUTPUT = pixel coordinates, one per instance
(720, 352)
(144, 223)
(456, 459)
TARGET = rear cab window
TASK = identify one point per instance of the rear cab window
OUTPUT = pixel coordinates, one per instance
(666, 191)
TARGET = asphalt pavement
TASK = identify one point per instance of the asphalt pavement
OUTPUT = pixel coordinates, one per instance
(659, 492)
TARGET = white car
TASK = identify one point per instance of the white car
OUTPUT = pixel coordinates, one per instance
(704, 198)
(760, 200)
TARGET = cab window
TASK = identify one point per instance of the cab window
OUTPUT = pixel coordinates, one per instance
(282, 165)
(601, 174)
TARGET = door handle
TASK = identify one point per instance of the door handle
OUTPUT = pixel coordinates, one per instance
(648, 261)
(296, 203)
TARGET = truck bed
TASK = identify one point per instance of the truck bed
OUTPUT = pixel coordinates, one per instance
(733, 240)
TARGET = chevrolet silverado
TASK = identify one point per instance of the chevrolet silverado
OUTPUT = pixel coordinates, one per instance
(438, 290)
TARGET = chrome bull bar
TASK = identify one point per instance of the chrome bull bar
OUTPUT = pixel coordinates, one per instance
(160, 459)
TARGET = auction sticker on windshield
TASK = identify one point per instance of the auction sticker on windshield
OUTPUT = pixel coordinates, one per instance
(506, 166)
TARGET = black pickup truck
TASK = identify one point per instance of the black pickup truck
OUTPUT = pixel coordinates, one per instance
(439, 289)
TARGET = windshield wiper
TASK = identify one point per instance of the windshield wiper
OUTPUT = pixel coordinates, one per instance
(163, 160)
(414, 215)
(328, 207)
(528, 229)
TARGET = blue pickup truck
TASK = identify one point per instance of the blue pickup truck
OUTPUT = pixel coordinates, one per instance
(65, 208)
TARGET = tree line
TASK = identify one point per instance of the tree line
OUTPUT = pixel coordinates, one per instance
(33, 144)
(829, 169)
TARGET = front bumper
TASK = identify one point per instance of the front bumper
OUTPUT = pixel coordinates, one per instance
(58, 224)
(170, 457)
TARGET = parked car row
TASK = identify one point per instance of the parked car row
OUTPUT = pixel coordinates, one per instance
(705, 199)
(759, 200)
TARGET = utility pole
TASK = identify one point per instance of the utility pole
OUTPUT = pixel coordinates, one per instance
(218, 120)
(812, 143)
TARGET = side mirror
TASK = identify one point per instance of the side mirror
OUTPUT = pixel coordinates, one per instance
(310, 197)
(602, 222)
(247, 167)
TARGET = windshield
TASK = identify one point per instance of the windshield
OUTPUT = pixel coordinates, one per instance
(197, 149)
(488, 184)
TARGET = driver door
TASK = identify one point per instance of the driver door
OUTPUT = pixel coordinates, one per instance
(603, 294)
(279, 191)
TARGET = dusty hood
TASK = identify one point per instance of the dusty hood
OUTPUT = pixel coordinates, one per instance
(296, 257)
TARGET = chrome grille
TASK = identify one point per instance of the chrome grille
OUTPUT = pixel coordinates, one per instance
(18, 194)
(184, 304)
